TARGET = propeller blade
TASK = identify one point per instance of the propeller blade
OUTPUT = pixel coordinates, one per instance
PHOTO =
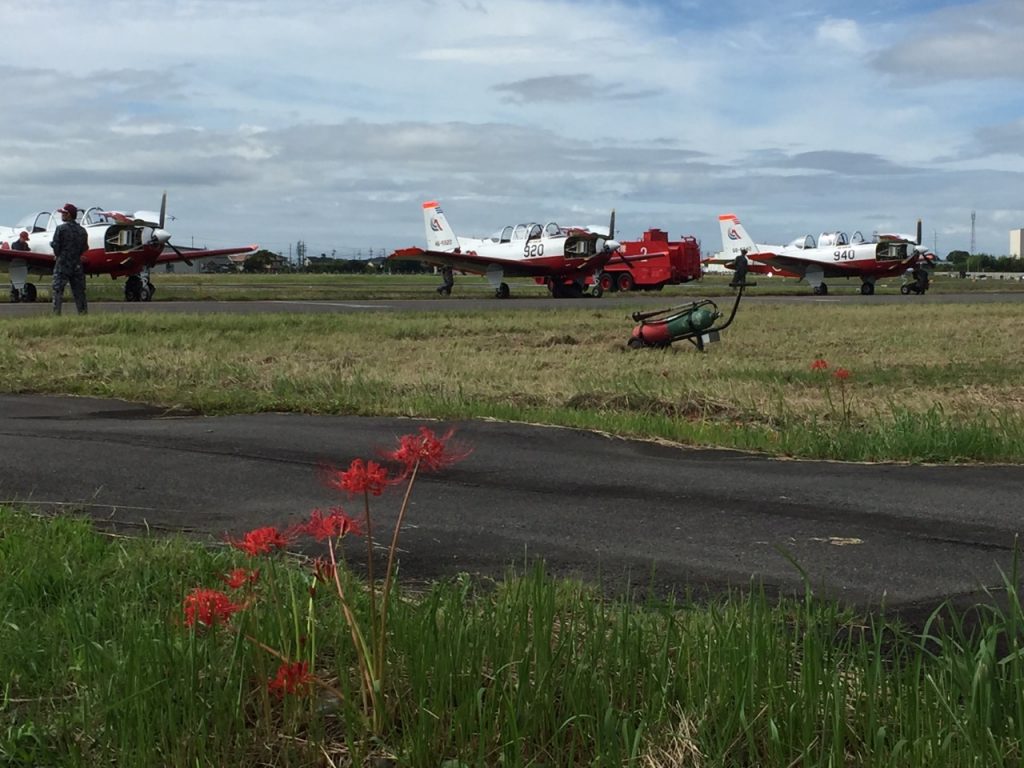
(611, 226)
(163, 209)
(918, 231)
(182, 255)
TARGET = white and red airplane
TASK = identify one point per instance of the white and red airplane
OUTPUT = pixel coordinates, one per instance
(120, 245)
(562, 256)
(833, 254)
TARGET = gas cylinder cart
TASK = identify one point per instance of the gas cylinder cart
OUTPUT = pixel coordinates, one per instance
(697, 322)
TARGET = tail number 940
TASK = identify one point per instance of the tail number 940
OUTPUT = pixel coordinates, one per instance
(844, 255)
(533, 249)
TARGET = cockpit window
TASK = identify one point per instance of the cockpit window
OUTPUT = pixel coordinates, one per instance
(506, 234)
(95, 216)
(551, 229)
(535, 231)
(519, 233)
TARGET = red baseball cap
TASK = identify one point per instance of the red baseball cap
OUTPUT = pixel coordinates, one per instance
(68, 208)
(23, 235)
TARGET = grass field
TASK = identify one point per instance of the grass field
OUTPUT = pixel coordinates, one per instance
(105, 661)
(926, 382)
(296, 287)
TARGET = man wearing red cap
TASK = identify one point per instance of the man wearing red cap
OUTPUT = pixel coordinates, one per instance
(70, 242)
(21, 244)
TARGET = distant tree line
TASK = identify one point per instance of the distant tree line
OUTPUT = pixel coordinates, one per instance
(983, 262)
(268, 261)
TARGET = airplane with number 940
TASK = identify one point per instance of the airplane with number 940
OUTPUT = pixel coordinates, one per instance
(120, 245)
(833, 254)
(561, 256)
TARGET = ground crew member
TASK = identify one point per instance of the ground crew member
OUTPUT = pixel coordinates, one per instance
(448, 278)
(21, 244)
(70, 242)
(740, 267)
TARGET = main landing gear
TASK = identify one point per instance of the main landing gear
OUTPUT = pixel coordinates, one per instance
(820, 290)
(138, 289)
(502, 291)
(27, 294)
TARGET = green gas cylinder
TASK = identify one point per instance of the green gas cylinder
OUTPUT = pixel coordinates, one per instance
(692, 321)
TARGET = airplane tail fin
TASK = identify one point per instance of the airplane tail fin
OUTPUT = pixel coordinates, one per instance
(440, 236)
(734, 236)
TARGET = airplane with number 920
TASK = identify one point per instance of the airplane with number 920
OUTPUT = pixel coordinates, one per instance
(562, 256)
(120, 245)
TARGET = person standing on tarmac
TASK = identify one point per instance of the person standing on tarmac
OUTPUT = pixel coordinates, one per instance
(70, 242)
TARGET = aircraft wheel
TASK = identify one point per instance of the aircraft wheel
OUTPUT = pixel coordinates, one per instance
(626, 282)
(866, 289)
(821, 290)
(152, 290)
(597, 291)
(28, 293)
(15, 296)
(503, 292)
(905, 290)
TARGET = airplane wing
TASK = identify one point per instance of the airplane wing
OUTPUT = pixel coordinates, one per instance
(172, 253)
(35, 259)
(474, 264)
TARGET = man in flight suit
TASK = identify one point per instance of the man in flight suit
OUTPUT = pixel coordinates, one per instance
(70, 242)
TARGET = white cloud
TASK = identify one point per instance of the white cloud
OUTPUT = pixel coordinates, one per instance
(329, 122)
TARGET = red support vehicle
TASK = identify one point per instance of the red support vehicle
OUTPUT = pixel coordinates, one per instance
(650, 263)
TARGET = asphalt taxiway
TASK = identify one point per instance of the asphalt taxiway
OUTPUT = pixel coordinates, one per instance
(609, 510)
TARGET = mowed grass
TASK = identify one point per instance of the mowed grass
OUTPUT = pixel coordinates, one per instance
(177, 286)
(99, 668)
(927, 382)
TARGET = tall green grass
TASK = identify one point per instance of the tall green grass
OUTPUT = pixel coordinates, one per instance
(97, 668)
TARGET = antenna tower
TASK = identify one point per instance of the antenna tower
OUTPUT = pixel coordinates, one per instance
(973, 215)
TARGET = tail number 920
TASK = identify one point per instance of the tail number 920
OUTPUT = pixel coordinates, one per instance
(844, 255)
(533, 249)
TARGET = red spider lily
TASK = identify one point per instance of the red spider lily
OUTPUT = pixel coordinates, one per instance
(208, 607)
(841, 373)
(427, 450)
(334, 524)
(291, 678)
(239, 577)
(819, 365)
(262, 541)
(369, 477)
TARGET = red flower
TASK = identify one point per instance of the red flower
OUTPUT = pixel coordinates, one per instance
(335, 524)
(239, 577)
(369, 478)
(426, 450)
(208, 607)
(841, 373)
(293, 678)
(819, 365)
(261, 541)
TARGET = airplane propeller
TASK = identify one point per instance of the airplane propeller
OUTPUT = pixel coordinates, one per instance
(160, 235)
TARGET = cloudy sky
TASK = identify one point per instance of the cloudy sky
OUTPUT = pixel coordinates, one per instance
(275, 121)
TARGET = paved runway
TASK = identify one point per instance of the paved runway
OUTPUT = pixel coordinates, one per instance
(604, 508)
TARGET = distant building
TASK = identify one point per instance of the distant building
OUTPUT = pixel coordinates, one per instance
(1015, 242)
